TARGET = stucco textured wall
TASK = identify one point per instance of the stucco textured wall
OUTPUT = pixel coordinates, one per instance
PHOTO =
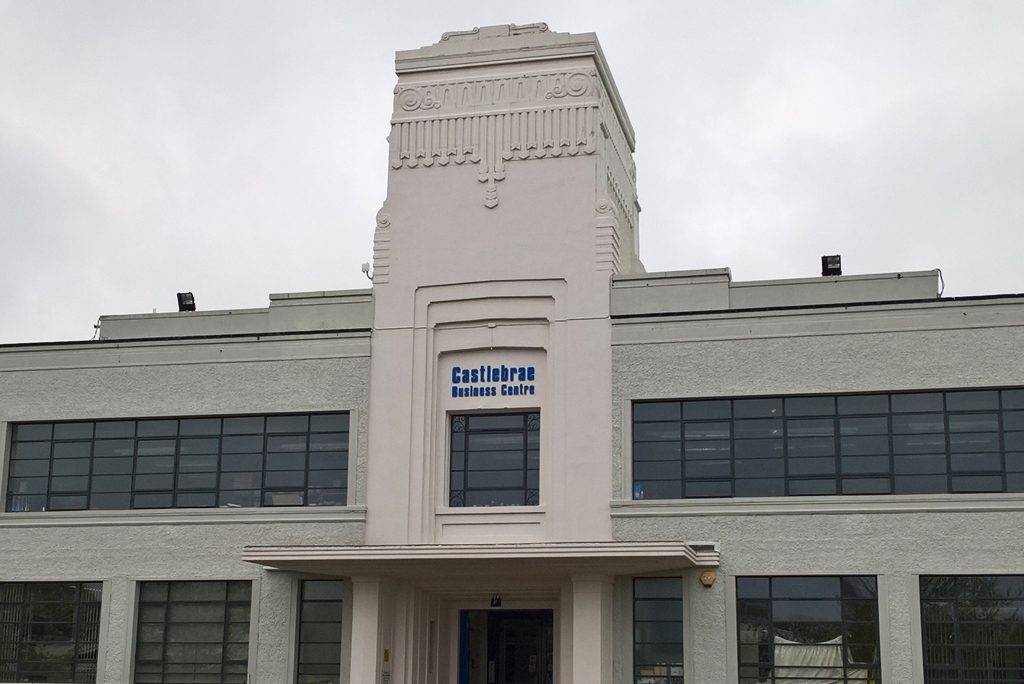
(942, 535)
(137, 381)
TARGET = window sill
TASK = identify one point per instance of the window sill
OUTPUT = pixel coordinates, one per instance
(186, 516)
(865, 504)
(490, 510)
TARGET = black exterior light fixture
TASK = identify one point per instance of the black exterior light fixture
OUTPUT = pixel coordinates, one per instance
(496, 601)
(186, 301)
(832, 265)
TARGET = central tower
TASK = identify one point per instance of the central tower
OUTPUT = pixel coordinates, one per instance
(511, 201)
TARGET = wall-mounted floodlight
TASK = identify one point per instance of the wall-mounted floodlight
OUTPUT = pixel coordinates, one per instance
(496, 601)
(832, 265)
(186, 301)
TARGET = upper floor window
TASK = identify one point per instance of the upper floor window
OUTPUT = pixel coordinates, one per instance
(898, 443)
(495, 459)
(804, 629)
(973, 628)
(232, 462)
(49, 631)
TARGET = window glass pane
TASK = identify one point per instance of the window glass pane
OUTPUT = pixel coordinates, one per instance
(969, 622)
(907, 442)
(972, 401)
(757, 408)
(73, 430)
(799, 628)
(491, 459)
(810, 406)
(48, 630)
(192, 627)
(319, 643)
(657, 630)
(707, 410)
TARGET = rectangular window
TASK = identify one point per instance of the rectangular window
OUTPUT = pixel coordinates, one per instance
(973, 628)
(658, 630)
(495, 460)
(232, 462)
(802, 629)
(49, 631)
(319, 660)
(193, 632)
(897, 443)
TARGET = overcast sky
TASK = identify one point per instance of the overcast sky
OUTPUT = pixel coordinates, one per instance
(238, 148)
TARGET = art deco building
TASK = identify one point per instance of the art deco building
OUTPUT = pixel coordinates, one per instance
(519, 458)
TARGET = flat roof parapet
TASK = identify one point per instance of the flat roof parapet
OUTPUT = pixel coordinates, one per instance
(298, 312)
(714, 290)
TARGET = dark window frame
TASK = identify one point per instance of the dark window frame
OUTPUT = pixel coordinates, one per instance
(231, 670)
(119, 465)
(19, 618)
(460, 490)
(308, 667)
(757, 596)
(971, 606)
(644, 670)
(786, 447)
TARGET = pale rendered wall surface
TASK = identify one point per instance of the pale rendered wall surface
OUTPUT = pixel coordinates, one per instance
(941, 345)
(169, 379)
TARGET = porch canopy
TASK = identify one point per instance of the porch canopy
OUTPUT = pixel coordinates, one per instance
(471, 561)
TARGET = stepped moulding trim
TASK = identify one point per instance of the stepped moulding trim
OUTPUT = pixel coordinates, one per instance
(491, 122)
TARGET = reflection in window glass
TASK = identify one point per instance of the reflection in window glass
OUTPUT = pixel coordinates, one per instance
(658, 630)
(229, 462)
(319, 659)
(973, 628)
(962, 441)
(193, 632)
(495, 460)
(49, 631)
(807, 629)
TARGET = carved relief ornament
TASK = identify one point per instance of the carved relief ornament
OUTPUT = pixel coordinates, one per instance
(490, 122)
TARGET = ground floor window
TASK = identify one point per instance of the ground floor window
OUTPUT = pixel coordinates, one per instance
(973, 628)
(658, 630)
(808, 629)
(319, 658)
(49, 631)
(192, 632)
(495, 460)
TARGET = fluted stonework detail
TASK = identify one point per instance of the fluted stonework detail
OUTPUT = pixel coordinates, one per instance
(493, 121)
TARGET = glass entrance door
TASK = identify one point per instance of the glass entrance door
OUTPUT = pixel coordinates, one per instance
(506, 647)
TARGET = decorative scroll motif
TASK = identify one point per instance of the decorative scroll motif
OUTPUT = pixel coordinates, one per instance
(513, 91)
(382, 247)
(552, 115)
(606, 236)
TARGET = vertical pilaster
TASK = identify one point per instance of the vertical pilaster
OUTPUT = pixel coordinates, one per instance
(367, 654)
(591, 629)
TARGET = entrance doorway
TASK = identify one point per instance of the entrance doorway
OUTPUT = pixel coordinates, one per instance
(506, 647)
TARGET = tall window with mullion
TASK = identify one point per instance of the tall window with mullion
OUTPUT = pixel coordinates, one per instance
(319, 660)
(495, 460)
(973, 628)
(801, 629)
(658, 630)
(231, 462)
(193, 632)
(49, 631)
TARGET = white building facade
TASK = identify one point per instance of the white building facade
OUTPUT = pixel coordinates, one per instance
(519, 458)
